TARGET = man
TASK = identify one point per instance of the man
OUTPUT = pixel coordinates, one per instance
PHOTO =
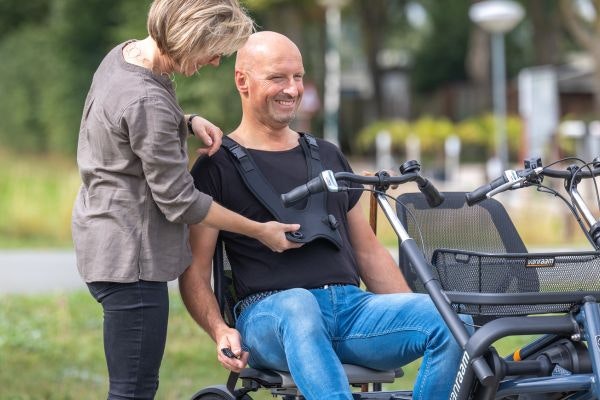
(303, 311)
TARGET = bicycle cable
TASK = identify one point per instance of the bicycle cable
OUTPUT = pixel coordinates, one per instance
(588, 166)
(548, 190)
(414, 218)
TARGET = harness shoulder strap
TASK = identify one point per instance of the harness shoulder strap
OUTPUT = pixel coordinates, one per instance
(239, 152)
(253, 178)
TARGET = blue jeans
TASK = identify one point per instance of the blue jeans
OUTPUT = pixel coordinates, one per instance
(135, 332)
(310, 333)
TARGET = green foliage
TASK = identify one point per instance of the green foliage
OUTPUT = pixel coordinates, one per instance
(441, 56)
(36, 197)
(212, 93)
(50, 50)
(476, 135)
(16, 13)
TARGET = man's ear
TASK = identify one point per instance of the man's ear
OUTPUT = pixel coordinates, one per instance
(241, 81)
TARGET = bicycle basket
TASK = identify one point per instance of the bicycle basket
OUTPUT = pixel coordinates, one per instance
(516, 284)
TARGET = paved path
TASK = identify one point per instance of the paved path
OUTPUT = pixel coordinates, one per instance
(32, 271)
(40, 271)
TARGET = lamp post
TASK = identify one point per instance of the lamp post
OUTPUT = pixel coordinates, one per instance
(333, 25)
(498, 17)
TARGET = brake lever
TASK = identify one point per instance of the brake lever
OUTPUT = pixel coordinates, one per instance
(516, 180)
(513, 184)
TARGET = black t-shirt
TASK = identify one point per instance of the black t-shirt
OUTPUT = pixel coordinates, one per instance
(255, 267)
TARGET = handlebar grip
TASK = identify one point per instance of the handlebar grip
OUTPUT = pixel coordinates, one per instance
(432, 195)
(480, 193)
(301, 192)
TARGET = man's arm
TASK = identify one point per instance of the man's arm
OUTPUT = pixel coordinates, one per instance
(377, 268)
(199, 299)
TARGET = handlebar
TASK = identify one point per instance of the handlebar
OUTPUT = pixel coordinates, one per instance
(533, 173)
(566, 174)
(328, 180)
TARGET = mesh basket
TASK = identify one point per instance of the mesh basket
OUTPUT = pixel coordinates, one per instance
(528, 283)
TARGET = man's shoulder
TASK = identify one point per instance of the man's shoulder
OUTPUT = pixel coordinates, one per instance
(330, 151)
(205, 162)
(326, 145)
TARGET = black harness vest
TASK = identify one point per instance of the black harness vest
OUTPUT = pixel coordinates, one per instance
(314, 219)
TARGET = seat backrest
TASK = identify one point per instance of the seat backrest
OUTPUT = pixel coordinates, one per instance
(484, 227)
(223, 283)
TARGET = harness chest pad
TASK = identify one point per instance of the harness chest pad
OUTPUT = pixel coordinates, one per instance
(315, 221)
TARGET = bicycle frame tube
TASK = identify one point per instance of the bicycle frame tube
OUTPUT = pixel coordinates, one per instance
(589, 317)
(587, 386)
(464, 377)
(583, 209)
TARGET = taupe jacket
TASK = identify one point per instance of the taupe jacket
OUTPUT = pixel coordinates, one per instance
(130, 216)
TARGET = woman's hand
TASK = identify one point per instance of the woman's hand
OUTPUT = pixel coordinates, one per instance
(229, 350)
(210, 134)
(273, 236)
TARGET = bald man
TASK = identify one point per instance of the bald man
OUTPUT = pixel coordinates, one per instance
(302, 310)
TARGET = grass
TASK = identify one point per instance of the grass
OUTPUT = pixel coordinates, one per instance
(36, 198)
(51, 349)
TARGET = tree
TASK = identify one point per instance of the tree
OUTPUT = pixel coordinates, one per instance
(585, 29)
(441, 58)
(381, 21)
(16, 13)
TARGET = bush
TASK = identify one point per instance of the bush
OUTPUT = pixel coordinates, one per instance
(477, 136)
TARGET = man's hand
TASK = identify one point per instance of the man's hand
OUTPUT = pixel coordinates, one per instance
(230, 339)
(209, 133)
(273, 236)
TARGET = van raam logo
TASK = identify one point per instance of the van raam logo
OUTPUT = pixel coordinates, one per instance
(540, 262)
(462, 370)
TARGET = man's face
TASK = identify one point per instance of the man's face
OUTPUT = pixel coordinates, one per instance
(275, 88)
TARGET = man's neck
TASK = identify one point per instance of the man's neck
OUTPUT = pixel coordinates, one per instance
(263, 138)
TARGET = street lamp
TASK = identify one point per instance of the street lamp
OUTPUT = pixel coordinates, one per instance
(498, 17)
(333, 24)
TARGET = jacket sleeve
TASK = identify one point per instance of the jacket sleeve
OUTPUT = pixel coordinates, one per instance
(156, 138)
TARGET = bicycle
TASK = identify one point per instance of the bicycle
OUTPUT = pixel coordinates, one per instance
(559, 365)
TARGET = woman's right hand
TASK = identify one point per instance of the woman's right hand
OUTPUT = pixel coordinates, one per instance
(210, 134)
(272, 235)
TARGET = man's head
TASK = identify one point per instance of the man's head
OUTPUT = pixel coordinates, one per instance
(268, 75)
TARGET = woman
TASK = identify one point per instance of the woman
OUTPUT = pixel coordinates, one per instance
(131, 214)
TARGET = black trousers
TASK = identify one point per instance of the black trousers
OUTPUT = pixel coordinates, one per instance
(135, 332)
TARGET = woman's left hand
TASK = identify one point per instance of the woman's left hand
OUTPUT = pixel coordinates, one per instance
(209, 133)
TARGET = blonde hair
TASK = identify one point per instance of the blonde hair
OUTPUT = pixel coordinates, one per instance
(186, 29)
